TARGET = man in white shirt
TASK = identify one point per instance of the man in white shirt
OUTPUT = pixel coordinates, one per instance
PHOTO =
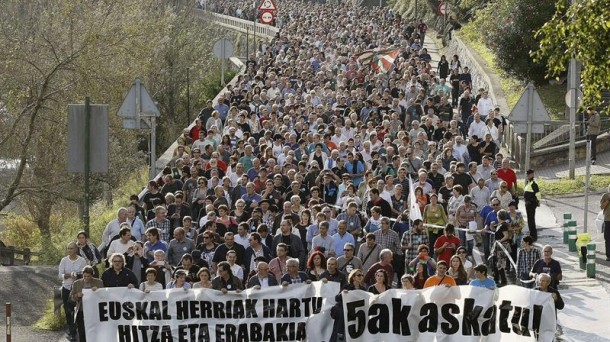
(485, 168)
(480, 194)
(242, 237)
(477, 127)
(113, 227)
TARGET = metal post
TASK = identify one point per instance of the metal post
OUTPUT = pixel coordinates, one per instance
(153, 147)
(530, 115)
(8, 322)
(573, 84)
(87, 163)
(587, 184)
(591, 260)
(222, 67)
(247, 43)
(188, 97)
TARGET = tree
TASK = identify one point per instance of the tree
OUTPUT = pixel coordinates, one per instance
(507, 28)
(57, 52)
(580, 31)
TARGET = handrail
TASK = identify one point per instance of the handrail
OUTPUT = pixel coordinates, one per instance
(238, 24)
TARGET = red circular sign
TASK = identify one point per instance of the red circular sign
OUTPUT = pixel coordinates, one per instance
(267, 17)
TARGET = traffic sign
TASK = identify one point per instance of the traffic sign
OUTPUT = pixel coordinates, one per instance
(267, 17)
(267, 5)
(442, 8)
(138, 103)
(520, 111)
(223, 48)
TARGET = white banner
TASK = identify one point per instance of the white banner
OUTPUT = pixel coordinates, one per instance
(293, 313)
(461, 314)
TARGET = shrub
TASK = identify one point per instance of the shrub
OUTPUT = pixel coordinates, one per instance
(507, 28)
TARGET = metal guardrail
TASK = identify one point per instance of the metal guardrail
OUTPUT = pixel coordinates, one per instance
(238, 24)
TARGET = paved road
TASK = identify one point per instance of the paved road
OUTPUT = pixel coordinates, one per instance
(27, 288)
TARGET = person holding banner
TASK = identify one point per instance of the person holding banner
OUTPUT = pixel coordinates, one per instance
(225, 280)
(294, 276)
(544, 285)
(382, 282)
(481, 279)
(205, 279)
(118, 275)
(262, 278)
(88, 281)
(441, 278)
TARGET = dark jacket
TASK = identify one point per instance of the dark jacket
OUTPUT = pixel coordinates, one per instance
(254, 281)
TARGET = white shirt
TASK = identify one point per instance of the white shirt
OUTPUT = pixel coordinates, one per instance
(244, 241)
(70, 266)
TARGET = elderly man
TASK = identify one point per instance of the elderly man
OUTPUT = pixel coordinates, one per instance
(161, 223)
(113, 227)
(179, 246)
(293, 275)
(348, 262)
(548, 265)
(332, 273)
(385, 263)
(262, 278)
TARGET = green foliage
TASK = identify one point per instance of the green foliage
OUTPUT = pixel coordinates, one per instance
(507, 27)
(51, 320)
(581, 31)
(567, 186)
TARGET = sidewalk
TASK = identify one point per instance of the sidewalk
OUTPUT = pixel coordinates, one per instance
(584, 317)
(554, 172)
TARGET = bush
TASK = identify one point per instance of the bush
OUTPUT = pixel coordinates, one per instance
(507, 27)
(51, 320)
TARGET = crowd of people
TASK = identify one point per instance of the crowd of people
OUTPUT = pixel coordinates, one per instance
(305, 169)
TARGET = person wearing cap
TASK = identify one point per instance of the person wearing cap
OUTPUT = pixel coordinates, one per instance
(531, 193)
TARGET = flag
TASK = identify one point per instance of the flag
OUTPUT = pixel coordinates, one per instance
(414, 212)
(380, 60)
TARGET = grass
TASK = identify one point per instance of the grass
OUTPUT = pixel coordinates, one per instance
(51, 320)
(567, 186)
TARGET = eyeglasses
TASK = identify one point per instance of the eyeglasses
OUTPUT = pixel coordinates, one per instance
(495, 205)
(206, 237)
(348, 250)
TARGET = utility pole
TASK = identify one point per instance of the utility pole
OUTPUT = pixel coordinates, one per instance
(573, 85)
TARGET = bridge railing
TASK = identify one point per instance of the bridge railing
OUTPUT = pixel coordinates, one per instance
(238, 24)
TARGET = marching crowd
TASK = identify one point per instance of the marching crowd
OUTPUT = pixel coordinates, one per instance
(314, 166)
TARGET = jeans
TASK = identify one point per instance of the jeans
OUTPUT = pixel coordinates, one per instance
(69, 311)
